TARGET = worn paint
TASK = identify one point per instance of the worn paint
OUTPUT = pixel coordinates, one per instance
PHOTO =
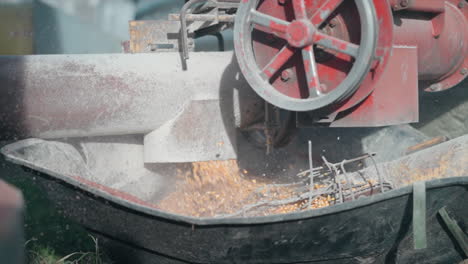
(324, 11)
(278, 61)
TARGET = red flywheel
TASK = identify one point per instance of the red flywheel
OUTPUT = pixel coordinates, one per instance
(305, 55)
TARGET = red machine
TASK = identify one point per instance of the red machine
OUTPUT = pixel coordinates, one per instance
(351, 63)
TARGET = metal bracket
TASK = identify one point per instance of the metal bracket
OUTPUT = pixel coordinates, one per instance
(455, 230)
(419, 215)
(428, 6)
(214, 17)
(148, 36)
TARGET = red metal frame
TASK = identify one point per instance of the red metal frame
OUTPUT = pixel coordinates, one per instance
(440, 31)
(384, 106)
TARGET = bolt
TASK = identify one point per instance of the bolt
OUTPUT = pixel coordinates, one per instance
(461, 4)
(286, 75)
(404, 3)
(281, 2)
(464, 71)
(323, 88)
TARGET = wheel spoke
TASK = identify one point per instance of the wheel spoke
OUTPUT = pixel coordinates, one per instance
(325, 11)
(278, 61)
(336, 44)
(272, 23)
(310, 66)
(299, 9)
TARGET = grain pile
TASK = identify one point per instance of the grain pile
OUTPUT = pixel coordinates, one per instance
(221, 189)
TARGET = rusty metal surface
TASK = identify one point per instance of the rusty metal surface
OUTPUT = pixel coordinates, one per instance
(11, 224)
(208, 17)
(427, 144)
(155, 36)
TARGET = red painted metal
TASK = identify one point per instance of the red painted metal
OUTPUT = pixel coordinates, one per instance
(384, 106)
(341, 28)
(442, 58)
(300, 33)
(428, 6)
(322, 10)
(437, 29)
(434, 6)
(278, 60)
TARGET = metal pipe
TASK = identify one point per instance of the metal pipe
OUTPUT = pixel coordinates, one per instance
(438, 56)
(53, 96)
(203, 17)
(429, 6)
(183, 23)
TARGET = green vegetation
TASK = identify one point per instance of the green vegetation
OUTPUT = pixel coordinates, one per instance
(51, 239)
(40, 255)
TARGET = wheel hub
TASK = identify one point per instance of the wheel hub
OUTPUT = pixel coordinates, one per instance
(300, 33)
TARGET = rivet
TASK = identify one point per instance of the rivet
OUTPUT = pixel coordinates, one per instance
(286, 75)
(323, 88)
(435, 87)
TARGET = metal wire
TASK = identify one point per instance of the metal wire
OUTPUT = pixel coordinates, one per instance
(348, 180)
(183, 23)
(329, 176)
(311, 175)
(378, 174)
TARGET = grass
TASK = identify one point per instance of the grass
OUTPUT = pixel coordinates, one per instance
(52, 239)
(47, 255)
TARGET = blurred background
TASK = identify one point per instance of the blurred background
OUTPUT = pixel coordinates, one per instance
(73, 26)
(79, 26)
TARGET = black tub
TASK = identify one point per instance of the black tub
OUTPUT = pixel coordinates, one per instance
(370, 230)
(376, 229)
